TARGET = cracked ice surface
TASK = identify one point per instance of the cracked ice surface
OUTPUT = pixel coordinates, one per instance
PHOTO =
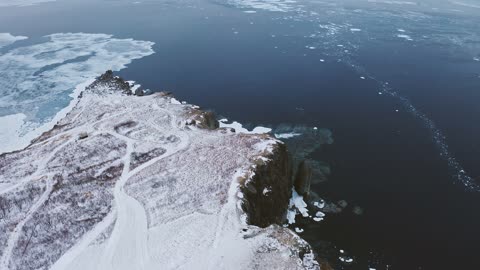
(38, 81)
(123, 182)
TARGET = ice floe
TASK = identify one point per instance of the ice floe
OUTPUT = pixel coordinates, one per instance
(296, 204)
(7, 39)
(50, 72)
(407, 37)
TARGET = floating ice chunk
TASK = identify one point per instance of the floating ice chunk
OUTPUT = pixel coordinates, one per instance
(250, 11)
(267, 191)
(296, 204)
(291, 216)
(298, 230)
(287, 135)
(311, 47)
(322, 60)
(406, 37)
(476, 59)
(320, 214)
(363, 78)
(401, 30)
(317, 219)
(7, 39)
(346, 259)
(342, 251)
(355, 29)
(320, 204)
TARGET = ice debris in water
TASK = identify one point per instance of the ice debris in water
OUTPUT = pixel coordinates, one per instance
(320, 204)
(286, 135)
(298, 230)
(296, 204)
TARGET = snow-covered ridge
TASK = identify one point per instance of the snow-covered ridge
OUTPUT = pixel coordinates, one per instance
(134, 182)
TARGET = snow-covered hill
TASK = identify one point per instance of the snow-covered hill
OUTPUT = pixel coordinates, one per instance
(145, 182)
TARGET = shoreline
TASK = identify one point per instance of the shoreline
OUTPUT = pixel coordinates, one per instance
(236, 181)
(26, 140)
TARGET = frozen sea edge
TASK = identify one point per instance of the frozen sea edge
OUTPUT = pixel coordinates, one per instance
(137, 182)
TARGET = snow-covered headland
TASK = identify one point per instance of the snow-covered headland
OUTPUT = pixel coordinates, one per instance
(127, 181)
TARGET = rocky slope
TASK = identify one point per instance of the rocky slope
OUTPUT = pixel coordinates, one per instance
(128, 181)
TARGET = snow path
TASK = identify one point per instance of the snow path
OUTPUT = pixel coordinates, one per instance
(7, 254)
(127, 246)
(163, 190)
(38, 171)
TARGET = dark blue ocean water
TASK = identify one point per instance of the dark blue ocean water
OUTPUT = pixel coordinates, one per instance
(257, 69)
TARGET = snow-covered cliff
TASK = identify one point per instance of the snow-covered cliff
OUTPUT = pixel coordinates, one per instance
(146, 182)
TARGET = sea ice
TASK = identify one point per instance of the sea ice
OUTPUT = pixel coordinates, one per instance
(51, 71)
(298, 230)
(407, 37)
(7, 39)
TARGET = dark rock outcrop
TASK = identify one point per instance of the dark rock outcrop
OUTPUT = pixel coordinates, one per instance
(109, 81)
(303, 178)
(267, 193)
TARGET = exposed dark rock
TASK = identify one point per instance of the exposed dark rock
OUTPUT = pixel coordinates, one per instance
(203, 119)
(303, 178)
(275, 178)
(111, 82)
(139, 92)
(209, 120)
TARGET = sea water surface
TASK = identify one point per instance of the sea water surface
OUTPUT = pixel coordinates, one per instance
(397, 84)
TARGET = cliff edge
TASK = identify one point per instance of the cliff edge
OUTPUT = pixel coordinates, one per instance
(133, 181)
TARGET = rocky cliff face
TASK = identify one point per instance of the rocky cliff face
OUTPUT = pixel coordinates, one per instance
(134, 182)
(267, 193)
